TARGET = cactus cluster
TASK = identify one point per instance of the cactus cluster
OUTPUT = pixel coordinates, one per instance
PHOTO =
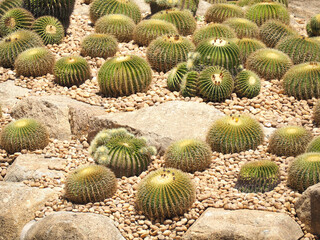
(176, 75)
(124, 75)
(313, 26)
(233, 134)
(220, 12)
(247, 84)
(165, 193)
(49, 29)
(248, 46)
(92, 183)
(125, 154)
(189, 84)
(25, 133)
(244, 28)
(258, 176)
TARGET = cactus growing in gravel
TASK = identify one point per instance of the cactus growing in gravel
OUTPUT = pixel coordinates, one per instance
(99, 45)
(182, 19)
(221, 12)
(258, 176)
(248, 46)
(14, 19)
(26, 133)
(34, 62)
(247, 84)
(220, 52)
(189, 84)
(269, 63)
(314, 145)
(262, 12)
(188, 155)
(15, 43)
(118, 25)
(273, 31)
(213, 30)
(233, 134)
(148, 30)
(124, 75)
(99, 8)
(316, 113)
(49, 29)
(300, 49)
(215, 83)
(313, 26)
(165, 193)
(92, 183)
(244, 28)
(289, 141)
(176, 75)
(121, 151)
(167, 51)
(304, 171)
(72, 70)
(303, 81)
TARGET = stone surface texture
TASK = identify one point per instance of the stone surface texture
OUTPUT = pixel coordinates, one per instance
(9, 93)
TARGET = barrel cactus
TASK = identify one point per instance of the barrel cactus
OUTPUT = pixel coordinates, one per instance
(316, 113)
(244, 28)
(304, 171)
(5, 5)
(269, 63)
(159, 5)
(176, 75)
(189, 84)
(247, 84)
(313, 26)
(71, 70)
(284, 2)
(165, 193)
(92, 183)
(118, 25)
(124, 75)
(25, 133)
(314, 145)
(258, 176)
(125, 154)
(49, 28)
(248, 46)
(34, 62)
(233, 134)
(99, 45)
(221, 12)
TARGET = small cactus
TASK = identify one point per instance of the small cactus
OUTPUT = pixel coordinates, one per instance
(247, 84)
(221, 12)
(314, 145)
(233, 134)
(248, 46)
(92, 183)
(244, 28)
(25, 133)
(176, 75)
(316, 113)
(189, 84)
(49, 28)
(165, 193)
(313, 26)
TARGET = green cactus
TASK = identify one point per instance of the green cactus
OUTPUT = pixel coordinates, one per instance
(213, 30)
(34, 62)
(314, 145)
(167, 51)
(49, 29)
(258, 176)
(165, 193)
(313, 26)
(284, 2)
(215, 84)
(216, 1)
(15, 43)
(125, 154)
(221, 12)
(14, 19)
(60, 9)
(303, 81)
(220, 52)
(248, 46)
(176, 75)
(148, 30)
(159, 5)
(269, 63)
(300, 49)
(243, 3)
(124, 75)
(316, 38)
(92, 183)
(99, 8)
(25, 133)
(191, 5)
(289, 141)
(316, 113)
(71, 70)
(232, 134)
(118, 25)
(5, 5)
(188, 155)
(243, 27)
(262, 12)
(247, 84)
(99, 45)
(304, 171)
(189, 84)
(182, 19)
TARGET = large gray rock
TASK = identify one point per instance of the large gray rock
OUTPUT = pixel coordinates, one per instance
(308, 209)
(217, 224)
(18, 204)
(62, 115)
(34, 166)
(161, 124)
(9, 93)
(69, 226)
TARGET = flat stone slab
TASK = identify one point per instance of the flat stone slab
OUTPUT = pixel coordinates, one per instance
(161, 124)
(219, 224)
(9, 93)
(34, 166)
